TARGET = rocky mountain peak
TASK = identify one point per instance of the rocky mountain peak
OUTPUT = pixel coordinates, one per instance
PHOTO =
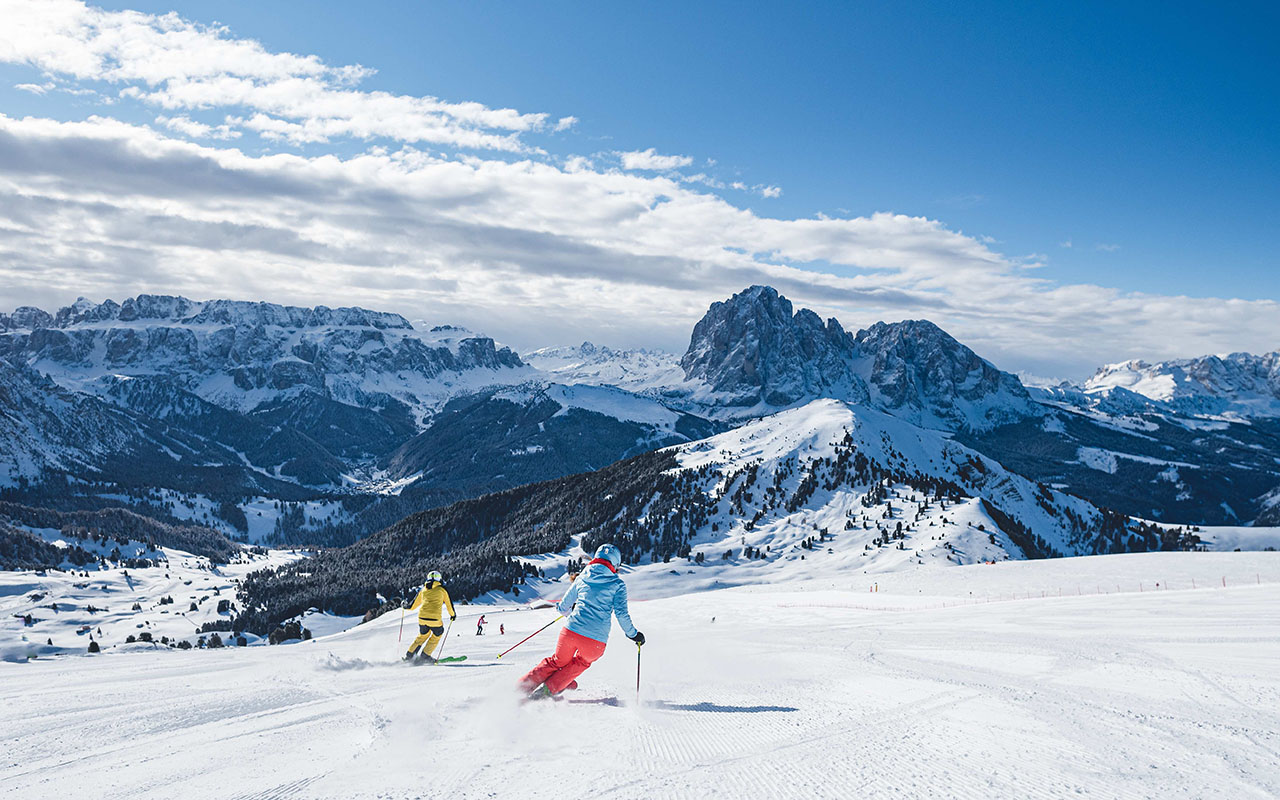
(924, 374)
(753, 349)
(180, 310)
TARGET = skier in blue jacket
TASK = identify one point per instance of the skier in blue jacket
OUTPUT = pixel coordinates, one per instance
(592, 601)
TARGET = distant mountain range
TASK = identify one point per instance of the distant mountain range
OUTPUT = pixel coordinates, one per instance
(320, 425)
(1239, 385)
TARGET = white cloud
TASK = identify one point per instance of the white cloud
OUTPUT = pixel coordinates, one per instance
(197, 130)
(177, 65)
(1065, 243)
(651, 160)
(1108, 248)
(764, 190)
(34, 88)
(565, 123)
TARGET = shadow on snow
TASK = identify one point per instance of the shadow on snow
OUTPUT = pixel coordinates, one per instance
(715, 708)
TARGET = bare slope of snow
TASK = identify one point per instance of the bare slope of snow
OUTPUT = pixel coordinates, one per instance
(169, 601)
(634, 370)
(792, 691)
(606, 400)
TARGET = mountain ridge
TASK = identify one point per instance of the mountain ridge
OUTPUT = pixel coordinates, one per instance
(371, 418)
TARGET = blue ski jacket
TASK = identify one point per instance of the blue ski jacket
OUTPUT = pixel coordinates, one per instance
(594, 598)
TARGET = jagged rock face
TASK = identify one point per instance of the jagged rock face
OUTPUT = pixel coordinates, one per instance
(26, 317)
(256, 346)
(752, 349)
(919, 371)
(36, 430)
(1241, 383)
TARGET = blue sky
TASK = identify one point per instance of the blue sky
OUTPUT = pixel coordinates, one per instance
(1153, 127)
(1129, 146)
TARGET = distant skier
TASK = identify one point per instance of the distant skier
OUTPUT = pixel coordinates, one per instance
(480, 626)
(590, 604)
(502, 629)
(430, 622)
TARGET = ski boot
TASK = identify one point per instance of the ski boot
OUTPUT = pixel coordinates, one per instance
(541, 693)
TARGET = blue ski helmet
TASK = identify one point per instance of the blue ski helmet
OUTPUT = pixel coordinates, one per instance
(610, 553)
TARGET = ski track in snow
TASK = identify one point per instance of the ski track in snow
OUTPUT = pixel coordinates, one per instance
(1162, 694)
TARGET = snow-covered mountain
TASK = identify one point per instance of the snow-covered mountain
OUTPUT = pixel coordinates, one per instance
(1123, 450)
(825, 479)
(242, 355)
(1194, 440)
(918, 372)
(634, 370)
(164, 392)
(1239, 385)
(751, 355)
(76, 440)
(834, 466)
(255, 404)
(585, 426)
(44, 426)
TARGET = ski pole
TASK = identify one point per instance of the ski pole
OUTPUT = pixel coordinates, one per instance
(440, 652)
(637, 673)
(530, 636)
(400, 638)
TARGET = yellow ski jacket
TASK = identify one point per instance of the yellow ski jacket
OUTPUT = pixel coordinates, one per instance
(428, 603)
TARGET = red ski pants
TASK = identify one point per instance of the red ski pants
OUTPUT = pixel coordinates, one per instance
(574, 653)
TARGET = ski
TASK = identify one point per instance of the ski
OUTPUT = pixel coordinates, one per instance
(418, 662)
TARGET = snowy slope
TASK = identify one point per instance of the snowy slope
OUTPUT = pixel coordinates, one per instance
(634, 370)
(107, 605)
(787, 691)
(793, 446)
(607, 401)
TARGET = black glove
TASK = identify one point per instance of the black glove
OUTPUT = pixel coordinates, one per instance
(638, 638)
(406, 603)
(452, 617)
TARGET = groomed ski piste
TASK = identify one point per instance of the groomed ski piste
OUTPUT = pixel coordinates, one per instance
(1103, 676)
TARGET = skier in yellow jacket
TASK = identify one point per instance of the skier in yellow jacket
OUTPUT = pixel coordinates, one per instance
(430, 622)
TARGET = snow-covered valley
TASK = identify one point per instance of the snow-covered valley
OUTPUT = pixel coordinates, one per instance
(975, 681)
(55, 612)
